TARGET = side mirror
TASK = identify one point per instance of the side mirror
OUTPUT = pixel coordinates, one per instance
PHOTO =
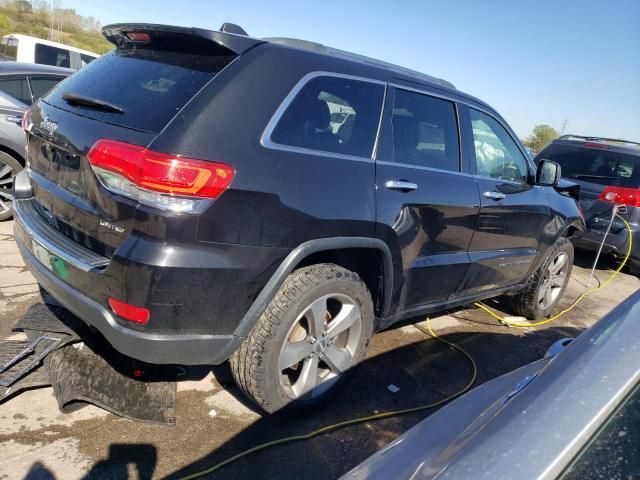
(548, 173)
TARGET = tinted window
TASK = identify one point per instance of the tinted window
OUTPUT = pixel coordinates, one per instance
(497, 154)
(150, 86)
(18, 88)
(40, 86)
(9, 48)
(425, 131)
(595, 165)
(614, 452)
(48, 55)
(332, 114)
(86, 59)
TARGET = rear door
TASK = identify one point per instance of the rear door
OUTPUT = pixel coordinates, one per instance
(513, 212)
(426, 206)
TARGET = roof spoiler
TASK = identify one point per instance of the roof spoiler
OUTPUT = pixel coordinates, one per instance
(232, 37)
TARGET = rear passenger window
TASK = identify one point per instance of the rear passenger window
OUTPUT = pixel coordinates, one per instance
(332, 114)
(40, 86)
(425, 131)
(47, 55)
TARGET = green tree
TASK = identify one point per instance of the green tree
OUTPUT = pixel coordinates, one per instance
(541, 136)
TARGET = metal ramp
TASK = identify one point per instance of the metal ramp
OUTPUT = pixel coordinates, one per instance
(60, 351)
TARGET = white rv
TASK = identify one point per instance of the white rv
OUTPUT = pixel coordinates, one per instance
(26, 49)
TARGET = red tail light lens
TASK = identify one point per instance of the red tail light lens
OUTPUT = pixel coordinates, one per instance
(159, 179)
(621, 196)
(139, 37)
(129, 312)
(601, 146)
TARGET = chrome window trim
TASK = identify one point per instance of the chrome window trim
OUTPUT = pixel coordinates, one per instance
(457, 117)
(422, 167)
(267, 142)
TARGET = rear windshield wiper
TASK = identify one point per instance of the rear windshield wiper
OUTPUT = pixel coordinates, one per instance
(586, 175)
(84, 101)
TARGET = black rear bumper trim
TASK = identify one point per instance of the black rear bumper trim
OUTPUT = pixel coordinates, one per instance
(188, 349)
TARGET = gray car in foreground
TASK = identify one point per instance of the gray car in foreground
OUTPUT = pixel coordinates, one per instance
(572, 415)
(20, 85)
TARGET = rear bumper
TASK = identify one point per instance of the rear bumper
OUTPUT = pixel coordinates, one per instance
(615, 244)
(148, 347)
(197, 299)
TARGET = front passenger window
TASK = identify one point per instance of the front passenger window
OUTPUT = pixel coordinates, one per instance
(497, 155)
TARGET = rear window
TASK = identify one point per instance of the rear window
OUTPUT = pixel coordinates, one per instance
(17, 87)
(603, 167)
(9, 48)
(150, 86)
(48, 55)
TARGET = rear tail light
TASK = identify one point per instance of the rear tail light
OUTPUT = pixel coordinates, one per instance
(129, 312)
(601, 146)
(621, 196)
(139, 37)
(169, 182)
(26, 120)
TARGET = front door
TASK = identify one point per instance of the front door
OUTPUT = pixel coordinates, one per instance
(426, 207)
(513, 211)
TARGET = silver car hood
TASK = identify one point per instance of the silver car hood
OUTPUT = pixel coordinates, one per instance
(529, 423)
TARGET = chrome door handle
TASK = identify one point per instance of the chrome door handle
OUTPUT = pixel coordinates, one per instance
(494, 195)
(14, 119)
(401, 185)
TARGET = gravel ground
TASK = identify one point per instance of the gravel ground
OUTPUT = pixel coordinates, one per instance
(214, 421)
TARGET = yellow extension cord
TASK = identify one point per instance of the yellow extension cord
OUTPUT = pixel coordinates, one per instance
(393, 413)
(353, 421)
(505, 321)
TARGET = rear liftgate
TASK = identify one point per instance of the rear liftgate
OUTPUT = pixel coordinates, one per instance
(63, 353)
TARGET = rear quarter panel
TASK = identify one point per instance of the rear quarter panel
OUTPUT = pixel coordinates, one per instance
(277, 198)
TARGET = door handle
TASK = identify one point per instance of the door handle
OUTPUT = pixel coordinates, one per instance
(494, 195)
(14, 119)
(401, 185)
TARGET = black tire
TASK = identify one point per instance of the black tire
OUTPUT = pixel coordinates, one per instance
(526, 303)
(7, 160)
(255, 365)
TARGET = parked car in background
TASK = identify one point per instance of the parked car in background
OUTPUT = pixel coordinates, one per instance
(608, 172)
(26, 49)
(573, 415)
(208, 206)
(20, 85)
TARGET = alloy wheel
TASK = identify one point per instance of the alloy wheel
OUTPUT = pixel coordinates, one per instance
(553, 280)
(7, 174)
(320, 346)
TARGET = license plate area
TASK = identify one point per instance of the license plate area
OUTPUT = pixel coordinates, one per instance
(50, 260)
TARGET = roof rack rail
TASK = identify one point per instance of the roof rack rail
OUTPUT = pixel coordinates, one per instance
(597, 139)
(335, 52)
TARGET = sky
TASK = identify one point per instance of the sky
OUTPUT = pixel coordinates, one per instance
(574, 65)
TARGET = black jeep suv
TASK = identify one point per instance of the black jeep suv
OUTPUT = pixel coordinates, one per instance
(198, 196)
